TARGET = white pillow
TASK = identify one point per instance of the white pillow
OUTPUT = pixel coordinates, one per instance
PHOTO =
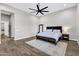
(57, 31)
(50, 30)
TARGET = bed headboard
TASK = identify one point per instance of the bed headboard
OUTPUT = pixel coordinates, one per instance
(54, 27)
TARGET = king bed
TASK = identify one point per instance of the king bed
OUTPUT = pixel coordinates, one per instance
(52, 34)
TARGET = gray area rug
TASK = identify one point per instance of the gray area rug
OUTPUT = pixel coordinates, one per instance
(49, 48)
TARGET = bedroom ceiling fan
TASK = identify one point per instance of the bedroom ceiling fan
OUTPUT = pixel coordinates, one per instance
(39, 10)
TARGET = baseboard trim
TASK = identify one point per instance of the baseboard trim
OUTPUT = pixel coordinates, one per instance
(27, 39)
(9, 37)
(74, 39)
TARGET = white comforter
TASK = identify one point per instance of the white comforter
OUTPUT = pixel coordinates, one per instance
(49, 34)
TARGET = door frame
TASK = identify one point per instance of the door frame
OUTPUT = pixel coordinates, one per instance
(11, 23)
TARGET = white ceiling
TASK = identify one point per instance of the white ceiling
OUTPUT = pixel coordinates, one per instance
(52, 7)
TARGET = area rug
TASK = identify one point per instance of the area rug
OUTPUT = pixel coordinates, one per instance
(49, 48)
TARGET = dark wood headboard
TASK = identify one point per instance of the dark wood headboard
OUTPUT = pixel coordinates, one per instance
(49, 27)
(54, 27)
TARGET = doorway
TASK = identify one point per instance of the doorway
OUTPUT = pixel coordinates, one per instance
(40, 28)
(7, 25)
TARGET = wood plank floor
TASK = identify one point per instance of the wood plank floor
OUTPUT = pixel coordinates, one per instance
(18, 48)
(72, 49)
(10, 47)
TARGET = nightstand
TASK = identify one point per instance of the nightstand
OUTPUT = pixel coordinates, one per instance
(65, 37)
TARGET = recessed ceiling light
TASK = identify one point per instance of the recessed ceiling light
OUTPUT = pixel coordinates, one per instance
(65, 5)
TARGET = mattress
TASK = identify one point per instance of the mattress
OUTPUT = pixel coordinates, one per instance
(54, 35)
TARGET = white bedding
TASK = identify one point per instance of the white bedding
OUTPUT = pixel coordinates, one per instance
(50, 34)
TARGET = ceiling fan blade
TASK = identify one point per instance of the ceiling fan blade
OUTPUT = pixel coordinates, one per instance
(44, 8)
(45, 11)
(37, 6)
(37, 13)
(32, 9)
(42, 13)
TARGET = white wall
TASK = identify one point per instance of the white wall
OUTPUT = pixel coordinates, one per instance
(78, 21)
(62, 18)
(25, 24)
(0, 27)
